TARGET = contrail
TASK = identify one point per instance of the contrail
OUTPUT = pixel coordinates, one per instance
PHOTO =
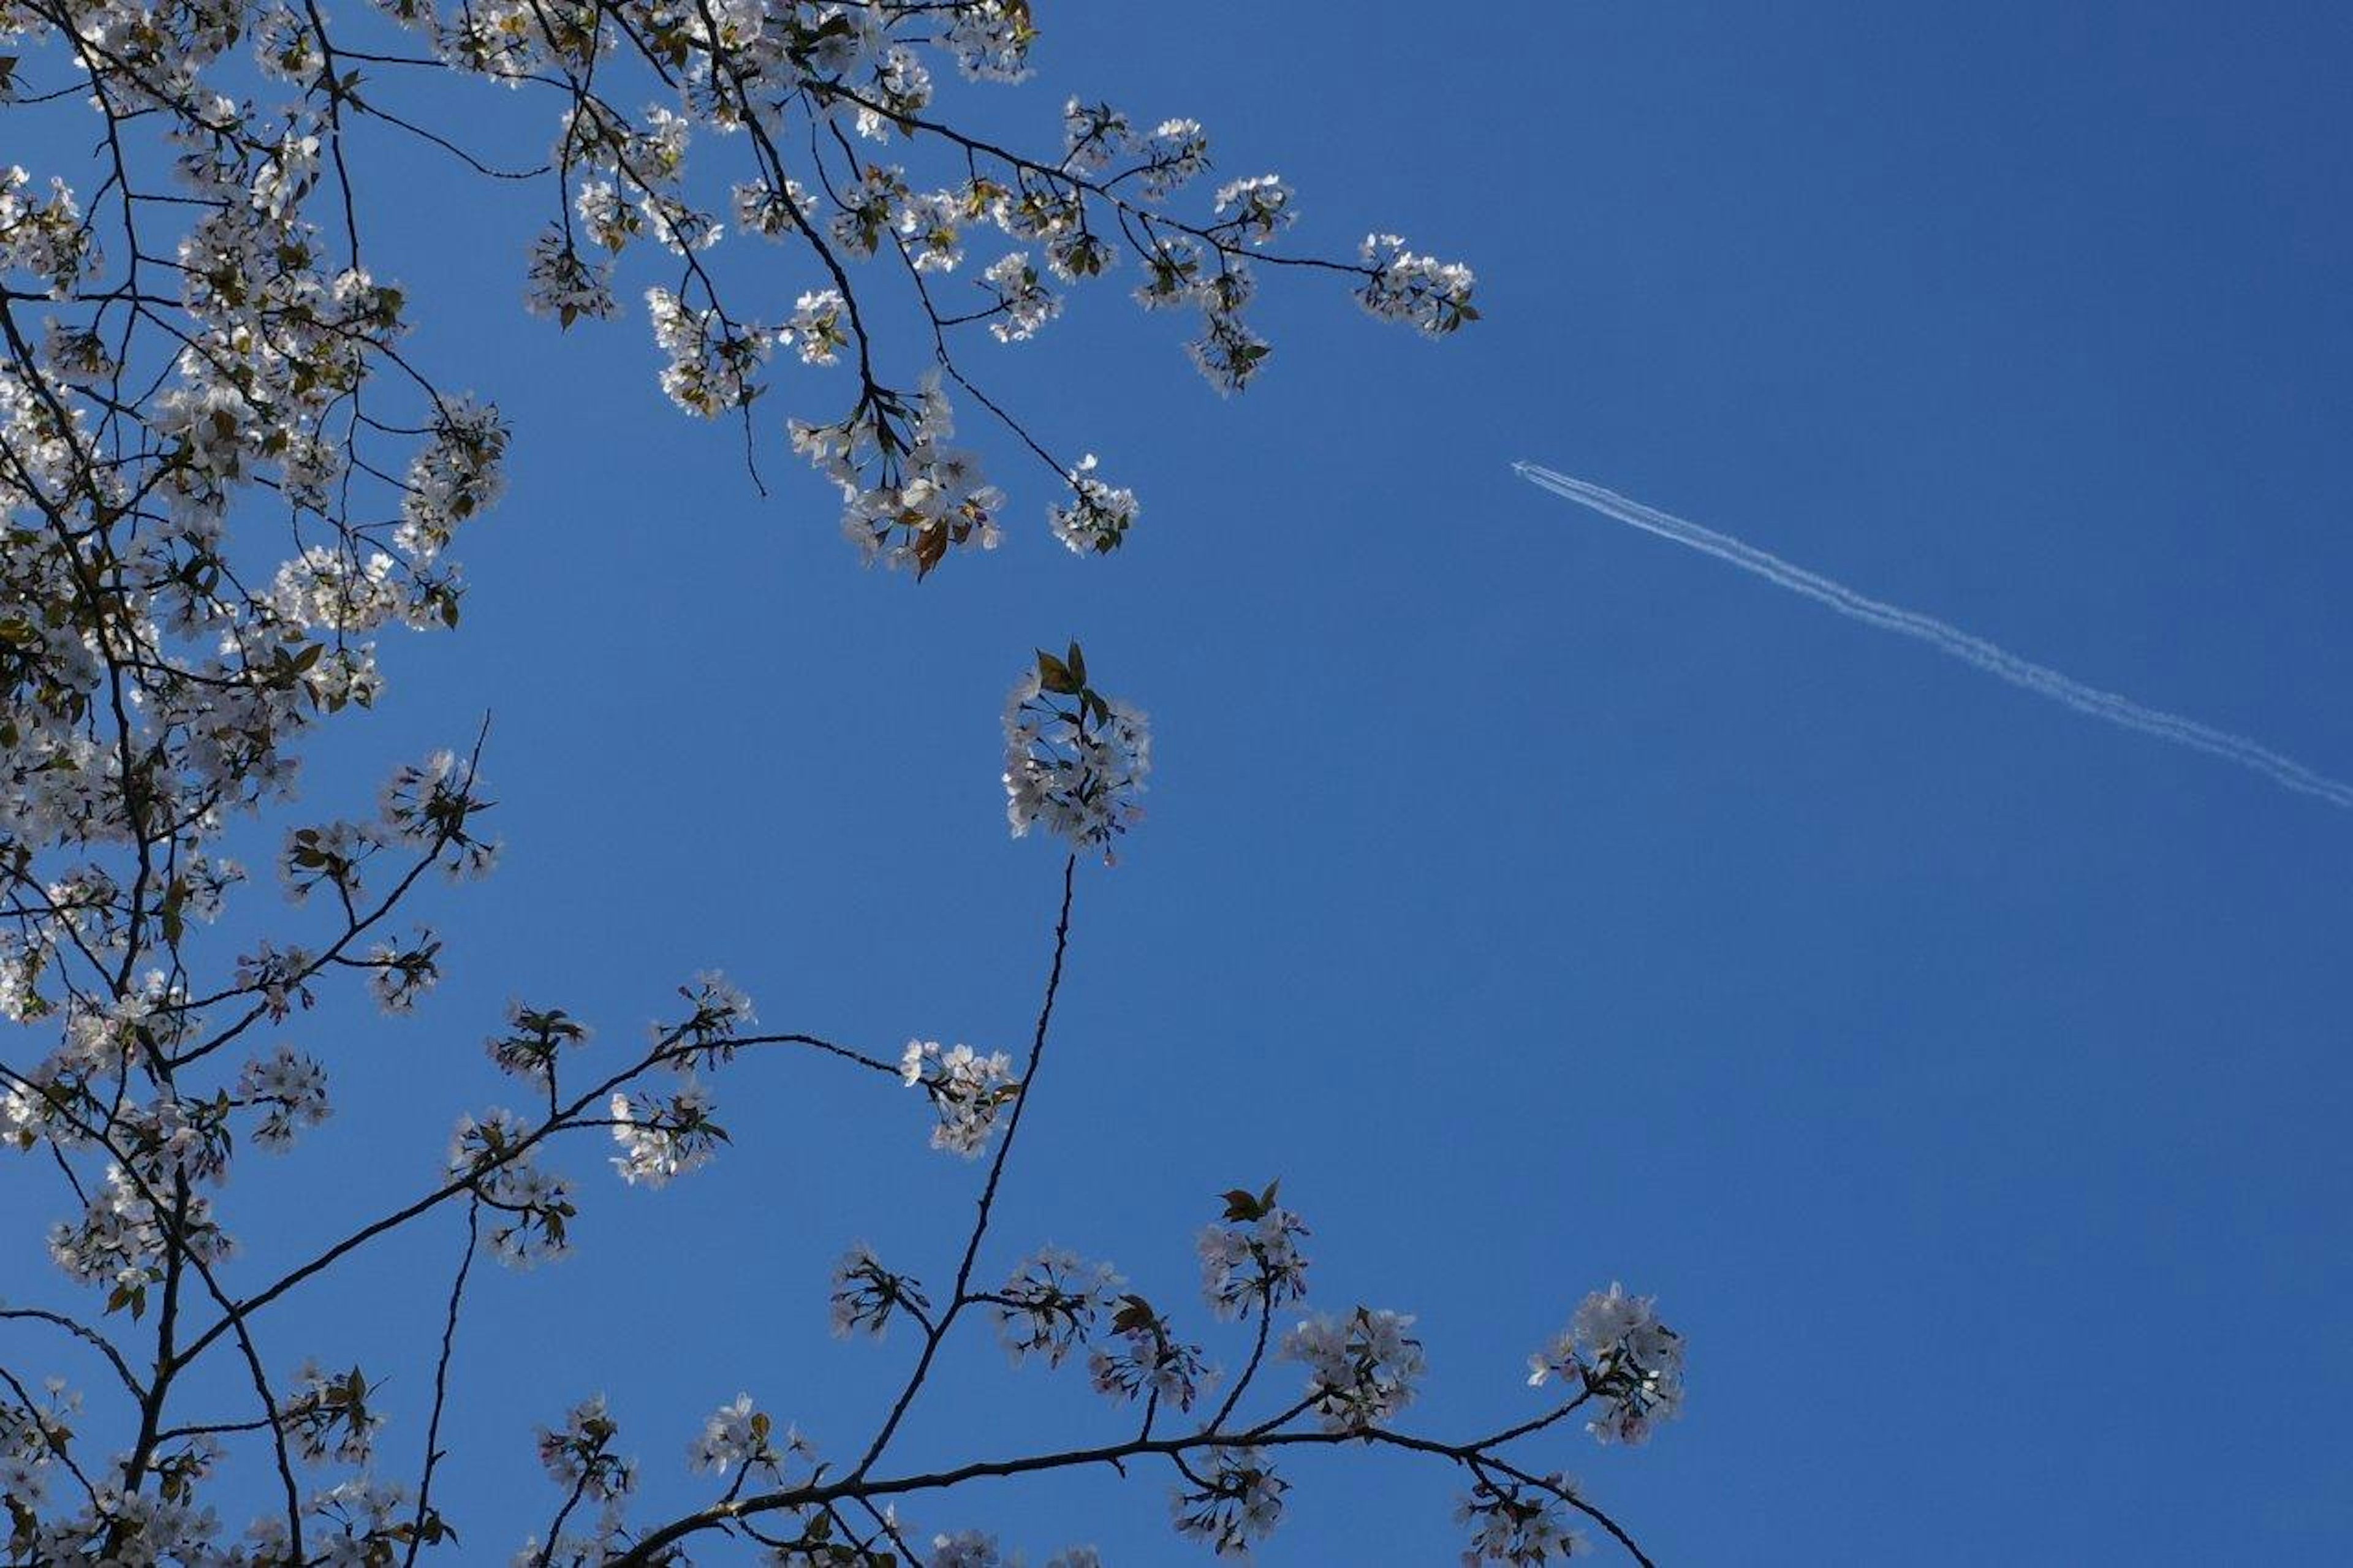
(1995, 661)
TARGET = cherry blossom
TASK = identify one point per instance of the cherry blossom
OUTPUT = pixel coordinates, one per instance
(967, 1089)
(235, 480)
(1075, 760)
(1615, 1348)
(1361, 1368)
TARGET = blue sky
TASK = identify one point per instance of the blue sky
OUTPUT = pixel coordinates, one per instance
(1543, 904)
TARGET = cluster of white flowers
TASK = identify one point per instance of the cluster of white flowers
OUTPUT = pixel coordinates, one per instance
(1520, 1525)
(931, 231)
(965, 1549)
(865, 1294)
(398, 973)
(1173, 155)
(327, 856)
(908, 496)
(327, 1417)
(1616, 1348)
(580, 1458)
(278, 977)
(533, 1208)
(818, 329)
(663, 1136)
(109, 1524)
(1097, 518)
(32, 1434)
(1250, 1259)
(1432, 295)
(559, 282)
(119, 1241)
(359, 1520)
(770, 212)
(712, 360)
(1260, 207)
(1049, 1306)
(431, 806)
(45, 236)
(456, 476)
(1022, 302)
(535, 1037)
(328, 590)
(579, 1454)
(1146, 1359)
(1235, 1502)
(717, 1014)
(737, 1435)
(1361, 1368)
(976, 1548)
(967, 1089)
(1075, 761)
(290, 1090)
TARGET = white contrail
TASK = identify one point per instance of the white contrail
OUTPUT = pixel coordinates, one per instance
(2038, 679)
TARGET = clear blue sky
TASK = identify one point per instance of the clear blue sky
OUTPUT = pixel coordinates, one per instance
(1544, 905)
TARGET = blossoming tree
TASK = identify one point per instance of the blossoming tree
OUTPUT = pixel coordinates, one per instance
(224, 479)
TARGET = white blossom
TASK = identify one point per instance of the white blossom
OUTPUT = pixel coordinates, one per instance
(1051, 1305)
(1023, 303)
(529, 1210)
(579, 1453)
(1075, 761)
(1432, 295)
(1257, 208)
(1616, 1348)
(866, 1294)
(562, 283)
(1518, 1524)
(1361, 1368)
(1145, 1358)
(965, 1549)
(1237, 1503)
(290, 1090)
(967, 1090)
(819, 330)
(1096, 519)
(662, 1137)
(1250, 1259)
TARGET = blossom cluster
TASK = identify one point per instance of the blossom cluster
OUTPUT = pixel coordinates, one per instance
(531, 1209)
(866, 1294)
(1232, 1501)
(664, 1136)
(1145, 1359)
(909, 494)
(966, 1089)
(328, 1417)
(1250, 1259)
(1051, 1303)
(580, 1458)
(739, 1437)
(1616, 1348)
(1075, 760)
(1514, 1523)
(1361, 1368)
